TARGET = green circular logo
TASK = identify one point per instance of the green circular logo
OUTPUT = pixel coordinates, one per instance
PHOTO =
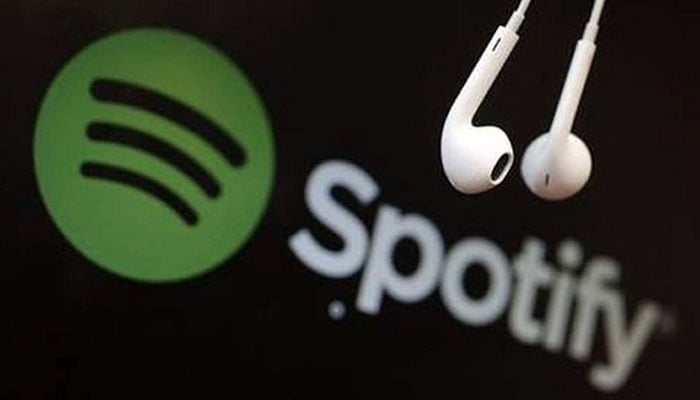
(154, 155)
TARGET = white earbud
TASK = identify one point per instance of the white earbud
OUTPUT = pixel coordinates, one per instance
(557, 164)
(476, 159)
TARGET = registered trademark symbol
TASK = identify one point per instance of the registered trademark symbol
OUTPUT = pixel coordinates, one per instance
(336, 310)
(668, 324)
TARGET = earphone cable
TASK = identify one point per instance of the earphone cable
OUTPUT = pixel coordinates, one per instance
(592, 26)
(518, 16)
(523, 6)
(596, 12)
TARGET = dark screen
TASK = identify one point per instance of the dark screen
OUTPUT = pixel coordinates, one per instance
(368, 83)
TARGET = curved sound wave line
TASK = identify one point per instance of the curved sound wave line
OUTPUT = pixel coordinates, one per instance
(117, 134)
(115, 91)
(141, 182)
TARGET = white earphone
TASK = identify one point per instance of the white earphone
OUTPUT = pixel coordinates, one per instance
(557, 164)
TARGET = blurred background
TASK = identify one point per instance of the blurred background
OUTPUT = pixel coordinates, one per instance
(368, 82)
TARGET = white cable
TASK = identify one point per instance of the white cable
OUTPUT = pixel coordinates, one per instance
(518, 16)
(523, 6)
(597, 10)
(592, 26)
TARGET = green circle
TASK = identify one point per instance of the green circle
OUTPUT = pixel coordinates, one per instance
(108, 152)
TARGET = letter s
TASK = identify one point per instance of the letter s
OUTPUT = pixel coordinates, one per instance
(348, 260)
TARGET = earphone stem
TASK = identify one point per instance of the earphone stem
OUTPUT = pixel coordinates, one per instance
(482, 76)
(580, 66)
(487, 69)
(567, 108)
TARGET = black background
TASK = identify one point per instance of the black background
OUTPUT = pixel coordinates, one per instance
(369, 82)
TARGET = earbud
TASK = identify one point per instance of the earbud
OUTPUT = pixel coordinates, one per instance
(477, 158)
(557, 164)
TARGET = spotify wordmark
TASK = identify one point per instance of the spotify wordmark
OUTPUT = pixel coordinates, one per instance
(154, 155)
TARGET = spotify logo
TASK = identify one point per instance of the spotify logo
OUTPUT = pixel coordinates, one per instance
(154, 155)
